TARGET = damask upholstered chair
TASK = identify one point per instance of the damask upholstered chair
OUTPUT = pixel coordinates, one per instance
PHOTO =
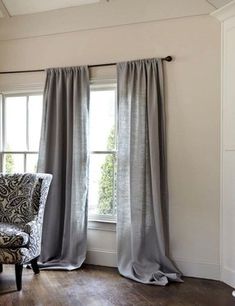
(22, 203)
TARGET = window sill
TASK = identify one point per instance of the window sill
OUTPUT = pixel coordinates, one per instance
(102, 225)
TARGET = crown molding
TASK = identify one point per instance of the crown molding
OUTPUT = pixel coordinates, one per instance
(225, 12)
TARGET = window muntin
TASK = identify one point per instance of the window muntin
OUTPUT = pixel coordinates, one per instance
(20, 132)
(102, 139)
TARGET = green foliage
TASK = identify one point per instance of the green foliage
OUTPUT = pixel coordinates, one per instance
(9, 163)
(106, 184)
(111, 140)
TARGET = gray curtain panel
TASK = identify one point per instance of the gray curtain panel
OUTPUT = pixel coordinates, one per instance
(64, 153)
(141, 176)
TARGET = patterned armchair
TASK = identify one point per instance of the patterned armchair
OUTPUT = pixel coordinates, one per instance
(22, 203)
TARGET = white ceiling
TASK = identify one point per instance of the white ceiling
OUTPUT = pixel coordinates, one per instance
(34, 18)
(219, 3)
(25, 7)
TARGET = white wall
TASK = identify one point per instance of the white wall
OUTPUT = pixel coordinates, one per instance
(193, 118)
(228, 155)
(227, 18)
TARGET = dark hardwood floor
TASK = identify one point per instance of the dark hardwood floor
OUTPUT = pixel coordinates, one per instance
(99, 286)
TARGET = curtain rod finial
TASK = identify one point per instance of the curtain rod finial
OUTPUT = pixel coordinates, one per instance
(168, 58)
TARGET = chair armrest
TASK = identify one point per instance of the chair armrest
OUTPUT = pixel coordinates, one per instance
(31, 227)
(34, 229)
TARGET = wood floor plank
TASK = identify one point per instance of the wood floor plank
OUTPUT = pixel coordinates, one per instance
(100, 286)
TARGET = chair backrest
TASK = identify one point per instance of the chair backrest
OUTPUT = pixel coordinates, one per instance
(23, 196)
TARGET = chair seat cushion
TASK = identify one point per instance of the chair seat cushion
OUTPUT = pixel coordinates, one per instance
(12, 236)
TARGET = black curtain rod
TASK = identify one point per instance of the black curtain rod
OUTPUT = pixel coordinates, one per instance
(167, 59)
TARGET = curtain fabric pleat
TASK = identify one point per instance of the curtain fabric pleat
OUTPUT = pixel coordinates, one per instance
(64, 153)
(142, 193)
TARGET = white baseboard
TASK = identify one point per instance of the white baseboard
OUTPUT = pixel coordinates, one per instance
(193, 269)
(228, 277)
(101, 257)
(198, 269)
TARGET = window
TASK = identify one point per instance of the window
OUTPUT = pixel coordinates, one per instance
(102, 139)
(21, 116)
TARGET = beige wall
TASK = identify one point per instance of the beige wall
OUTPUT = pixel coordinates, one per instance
(98, 15)
(193, 112)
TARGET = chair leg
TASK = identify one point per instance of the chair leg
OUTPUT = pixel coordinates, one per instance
(34, 264)
(18, 272)
(1, 268)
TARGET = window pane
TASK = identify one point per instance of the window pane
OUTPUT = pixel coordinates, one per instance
(101, 184)
(15, 124)
(31, 162)
(102, 120)
(13, 163)
(35, 117)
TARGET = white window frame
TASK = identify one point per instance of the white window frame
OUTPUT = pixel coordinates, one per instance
(97, 85)
(4, 96)
(102, 86)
